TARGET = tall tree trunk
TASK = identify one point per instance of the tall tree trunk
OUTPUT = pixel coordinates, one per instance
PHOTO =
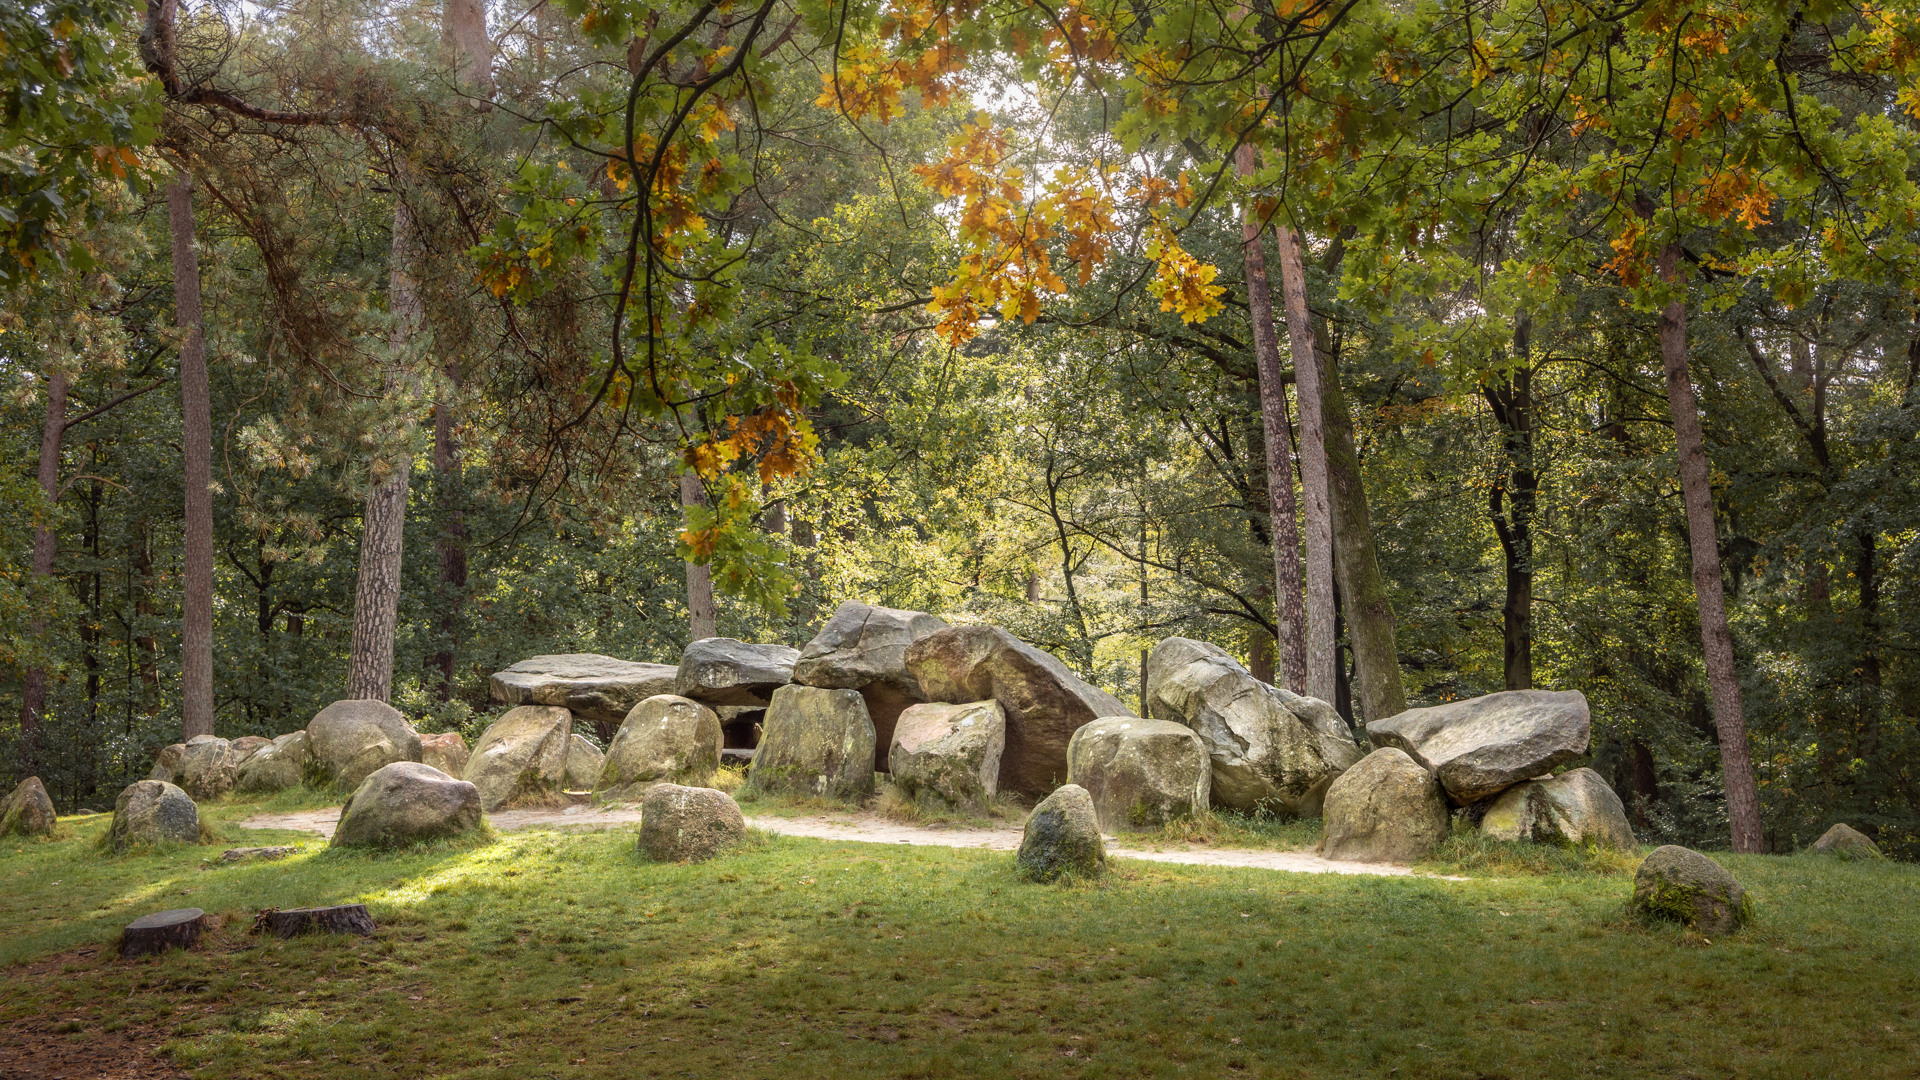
(196, 439)
(1363, 590)
(1308, 380)
(1716, 640)
(1511, 504)
(34, 694)
(453, 538)
(376, 592)
(1290, 612)
(463, 33)
(703, 619)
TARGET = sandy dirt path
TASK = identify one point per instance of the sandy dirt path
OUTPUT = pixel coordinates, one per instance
(872, 829)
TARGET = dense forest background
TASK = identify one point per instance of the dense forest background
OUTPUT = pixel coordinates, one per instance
(1092, 476)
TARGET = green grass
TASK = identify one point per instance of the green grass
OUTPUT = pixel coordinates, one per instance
(545, 954)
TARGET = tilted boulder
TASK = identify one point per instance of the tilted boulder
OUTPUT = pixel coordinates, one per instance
(348, 740)
(1271, 748)
(688, 824)
(1482, 746)
(665, 739)
(1576, 807)
(1045, 703)
(27, 811)
(1684, 886)
(600, 690)
(948, 753)
(276, 766)
(1140, 773)
(1386, 809)
(405, 803)
(583, 764)
(815, 742)
(1062, 837)
(153, 812)
(864, 647)
(1848, 842)
(522, 757)
(727, 671)
(206, 767)
(447, 752)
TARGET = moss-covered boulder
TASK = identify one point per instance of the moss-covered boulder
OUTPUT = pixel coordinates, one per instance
(522, 758)
(1576, 807)
(664, 739)
(1681, 885)
(406, 803)
(815, 742)
(276, 766)
(1386, 809)
(153, 812)
(1140, 773)
(1847, 842)
(447, 752)
(948, 754)
(1062, 837)
(583, 764)
(27, 811)
(348, 740)
(688, 824)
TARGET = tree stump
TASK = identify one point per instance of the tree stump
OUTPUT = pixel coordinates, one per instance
(342, 919)
(163, 930)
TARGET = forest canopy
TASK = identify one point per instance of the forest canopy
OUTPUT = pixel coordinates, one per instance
(1408, 350)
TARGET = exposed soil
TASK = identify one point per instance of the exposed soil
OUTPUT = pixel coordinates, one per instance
(74, 1045)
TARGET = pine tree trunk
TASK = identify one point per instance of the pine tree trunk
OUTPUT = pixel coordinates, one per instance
(376, 593)
(1369, 612)
(1285, 533)
(453, 539)
(1716, 640)
(196, 437)
(702, 618)
(1511, 505)
(33, 698)
(1315, 480)
(463, 33)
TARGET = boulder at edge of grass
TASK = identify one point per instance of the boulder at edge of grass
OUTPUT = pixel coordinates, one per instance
(1681, 885)
(1847, 842)
(151, 812)
(688, 824)
(405, 803)
(1141, 774)
(1386, 809)
(1062, 837)
(664, 739)
(27, 811)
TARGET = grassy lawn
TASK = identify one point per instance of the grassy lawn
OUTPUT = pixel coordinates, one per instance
(544, 954)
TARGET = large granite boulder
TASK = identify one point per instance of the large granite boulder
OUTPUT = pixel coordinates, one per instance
(1576, 807)
(1386, 809)
(597, 689)
(726, 671)
(348, 740)
(665, 739)
(27, 811)
(166, 764)
(1271, 748)
(1140, 773)
(1843, 840)
(276, 766)
(522, 757)
(447, 752)
(864, 648)
(583, 764)
(1062, 837)
(405, 803)
(245, 746)
(948, 754)
(688, 824)
(206, 767)
(1484, 745)
(153, 812)
(1045, 703)
(815, 742)
(1684, 886)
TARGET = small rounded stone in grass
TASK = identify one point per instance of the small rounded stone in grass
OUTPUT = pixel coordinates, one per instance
(1847, 842)
(688, 824)
(1062, 837)
(1681, 885)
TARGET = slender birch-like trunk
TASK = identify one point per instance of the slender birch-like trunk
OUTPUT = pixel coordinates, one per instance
(1313, 467)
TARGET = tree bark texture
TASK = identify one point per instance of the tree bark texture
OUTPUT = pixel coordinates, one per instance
(1290, 612)
(196, 440)
(1314, 478)
(33, 697)
(703, 619)
(1716, 640)
(1363, 590)
(463, 32)
(376, 591)
(1511, 504)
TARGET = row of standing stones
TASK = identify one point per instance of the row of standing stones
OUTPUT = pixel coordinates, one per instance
(954, 715)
